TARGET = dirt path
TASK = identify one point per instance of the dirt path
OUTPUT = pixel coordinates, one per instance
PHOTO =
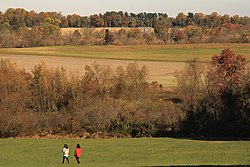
(162, 72)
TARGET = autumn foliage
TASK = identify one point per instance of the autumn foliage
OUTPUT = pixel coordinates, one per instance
(218, 103)
(50, 101)
(21, 28)
(228, 69)
(121, 103)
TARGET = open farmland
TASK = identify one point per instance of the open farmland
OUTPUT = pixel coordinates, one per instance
(71, 30)
(125, 152)
(162, 60)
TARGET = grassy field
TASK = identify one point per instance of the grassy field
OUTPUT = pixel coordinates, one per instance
(162, 61)
(124, 152)
(167, 53)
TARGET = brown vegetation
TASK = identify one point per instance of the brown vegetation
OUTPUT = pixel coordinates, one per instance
(99, 101)
(122, 103)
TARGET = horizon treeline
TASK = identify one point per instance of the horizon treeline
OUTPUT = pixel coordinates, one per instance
(20, 28)
(122, 103)
(14, 18)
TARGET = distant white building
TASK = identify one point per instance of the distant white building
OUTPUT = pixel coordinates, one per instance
(146, 29)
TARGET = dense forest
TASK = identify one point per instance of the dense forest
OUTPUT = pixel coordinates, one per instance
(21, 28)
(15, 18)
(122, 103)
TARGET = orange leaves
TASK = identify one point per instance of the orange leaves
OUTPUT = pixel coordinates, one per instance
(228, 67)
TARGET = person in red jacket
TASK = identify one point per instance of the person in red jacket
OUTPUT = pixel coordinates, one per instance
(78, 153)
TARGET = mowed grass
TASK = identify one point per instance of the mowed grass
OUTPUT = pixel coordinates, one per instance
(167, 53)
(124, 152)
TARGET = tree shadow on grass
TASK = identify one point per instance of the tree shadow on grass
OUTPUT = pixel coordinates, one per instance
(202, 166)
(215, 139)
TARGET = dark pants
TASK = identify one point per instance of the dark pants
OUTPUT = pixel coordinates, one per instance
(78, 159)
(66, 159)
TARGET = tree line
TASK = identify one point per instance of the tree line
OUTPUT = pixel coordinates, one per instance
(21, 28)
(14, 18)
(122, 103)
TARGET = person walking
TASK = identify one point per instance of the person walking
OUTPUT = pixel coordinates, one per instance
(65, 151)
(78, 153)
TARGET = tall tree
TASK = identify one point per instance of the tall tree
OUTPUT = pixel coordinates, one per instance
(199, 19)
(96, 21)
(180, 19)
(228, 69)
(214, 20)
(74, 20)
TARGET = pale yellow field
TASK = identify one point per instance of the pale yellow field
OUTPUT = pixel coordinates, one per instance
(162, 72)
(98, 29)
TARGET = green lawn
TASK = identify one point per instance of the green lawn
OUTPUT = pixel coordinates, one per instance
(176, 53)
(124, 152)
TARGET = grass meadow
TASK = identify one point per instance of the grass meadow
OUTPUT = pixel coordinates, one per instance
(165, 53)
(124, 152)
